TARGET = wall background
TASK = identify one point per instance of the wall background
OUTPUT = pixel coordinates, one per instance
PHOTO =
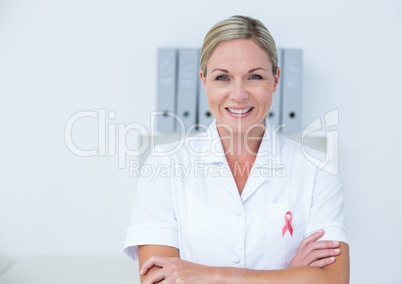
(61, 57)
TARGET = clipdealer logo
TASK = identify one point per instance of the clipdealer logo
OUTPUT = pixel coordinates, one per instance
(328, 126)
(110, 135)
(112, 139)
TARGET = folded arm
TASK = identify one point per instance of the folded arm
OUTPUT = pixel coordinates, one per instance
(314, 262)
(336, 272)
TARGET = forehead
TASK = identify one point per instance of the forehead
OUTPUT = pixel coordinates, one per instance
(245, 52)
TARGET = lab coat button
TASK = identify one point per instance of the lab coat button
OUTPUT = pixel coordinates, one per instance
(238, 211)
(236, 258)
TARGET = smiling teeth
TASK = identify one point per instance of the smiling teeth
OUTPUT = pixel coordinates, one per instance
(239, 111)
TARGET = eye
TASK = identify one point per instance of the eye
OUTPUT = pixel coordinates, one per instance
(255, 77)
(222, 78)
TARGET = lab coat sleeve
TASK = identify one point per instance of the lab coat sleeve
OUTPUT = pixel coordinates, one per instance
(327, 208)
(153, 220)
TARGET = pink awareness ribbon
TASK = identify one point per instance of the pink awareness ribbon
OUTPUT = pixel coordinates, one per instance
(288, 224)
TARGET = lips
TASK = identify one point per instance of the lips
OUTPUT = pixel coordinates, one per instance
(239, 111)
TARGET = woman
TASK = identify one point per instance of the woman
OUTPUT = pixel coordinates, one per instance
(246, 206)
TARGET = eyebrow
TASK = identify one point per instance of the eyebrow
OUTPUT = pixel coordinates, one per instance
(255, 69)
(250, 71)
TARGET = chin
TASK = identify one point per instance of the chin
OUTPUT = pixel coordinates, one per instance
(238, 125)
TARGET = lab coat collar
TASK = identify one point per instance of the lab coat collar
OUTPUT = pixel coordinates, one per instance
(268, 155)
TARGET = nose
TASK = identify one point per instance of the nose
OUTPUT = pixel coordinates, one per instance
(238, 91)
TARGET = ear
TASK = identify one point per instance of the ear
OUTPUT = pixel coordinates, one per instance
(203, 78)
(277, 77)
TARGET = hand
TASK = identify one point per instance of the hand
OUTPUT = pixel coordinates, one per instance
(175, 270)
(312, 252)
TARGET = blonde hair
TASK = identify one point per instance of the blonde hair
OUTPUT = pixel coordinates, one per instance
(238, 27)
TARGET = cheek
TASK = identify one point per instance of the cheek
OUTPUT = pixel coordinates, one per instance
(215, 96)
(264, 98)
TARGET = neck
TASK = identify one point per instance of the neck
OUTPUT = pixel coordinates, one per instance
(243, 143)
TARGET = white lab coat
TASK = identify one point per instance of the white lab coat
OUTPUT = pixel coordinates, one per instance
(188, 199)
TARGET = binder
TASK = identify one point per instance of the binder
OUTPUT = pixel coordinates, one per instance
(274, 114)
(187, 88)
(205, 116)
(291, 90)
(166, 89)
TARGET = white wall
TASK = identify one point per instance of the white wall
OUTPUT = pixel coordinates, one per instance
(61, 57)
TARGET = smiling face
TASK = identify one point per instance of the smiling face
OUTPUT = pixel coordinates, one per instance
(239, 84)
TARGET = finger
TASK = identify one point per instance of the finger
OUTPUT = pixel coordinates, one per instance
(325, 244)
(315, 236)
(318, 245)
(311, 238)
(156, 276)
(323, 262)
(321, 254)
(153, 261)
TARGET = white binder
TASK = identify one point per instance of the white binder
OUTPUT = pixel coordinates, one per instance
(166, 89)
(205, 117)
(187, 88)
(291, 90)
(274, 114)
